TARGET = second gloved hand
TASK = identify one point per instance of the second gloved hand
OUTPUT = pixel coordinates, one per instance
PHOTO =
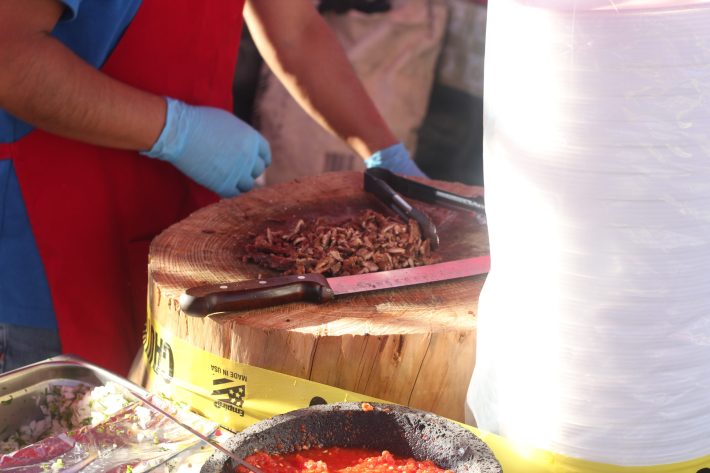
(395, 158)
(213, 147)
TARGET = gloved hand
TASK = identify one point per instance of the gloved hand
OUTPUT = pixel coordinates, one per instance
(396, 159)
(213, 147)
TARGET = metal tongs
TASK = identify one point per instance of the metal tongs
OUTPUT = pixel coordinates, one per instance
(390, 187)
(235, 459)
(382, 190)
(431, 195)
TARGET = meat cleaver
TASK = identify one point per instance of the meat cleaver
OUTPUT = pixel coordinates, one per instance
(258, 293)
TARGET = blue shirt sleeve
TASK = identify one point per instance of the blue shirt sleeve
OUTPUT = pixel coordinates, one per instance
(91, 33)
(71, 9)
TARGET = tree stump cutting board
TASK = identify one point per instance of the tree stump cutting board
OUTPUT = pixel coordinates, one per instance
(413, 346)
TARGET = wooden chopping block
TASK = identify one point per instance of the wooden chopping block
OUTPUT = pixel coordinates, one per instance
(413, 346)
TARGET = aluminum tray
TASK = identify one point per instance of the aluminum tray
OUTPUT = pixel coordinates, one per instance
(95, 450)
(20, 388)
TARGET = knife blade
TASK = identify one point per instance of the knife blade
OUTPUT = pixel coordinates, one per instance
(258, 293)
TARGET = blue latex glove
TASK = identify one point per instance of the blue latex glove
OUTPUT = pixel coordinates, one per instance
(213, 147)
(396, 159)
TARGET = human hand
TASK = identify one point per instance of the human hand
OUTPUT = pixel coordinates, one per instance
(212, 147)
(396, 159)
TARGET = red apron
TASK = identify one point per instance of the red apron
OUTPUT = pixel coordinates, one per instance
(94, 210)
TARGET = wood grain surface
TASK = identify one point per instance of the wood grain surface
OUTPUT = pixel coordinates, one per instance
(413, 346)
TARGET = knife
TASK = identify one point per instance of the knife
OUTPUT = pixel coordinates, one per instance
(380, 189)
(432, 195)
(257, 293)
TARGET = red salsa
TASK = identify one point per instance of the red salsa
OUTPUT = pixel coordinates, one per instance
(337, 459)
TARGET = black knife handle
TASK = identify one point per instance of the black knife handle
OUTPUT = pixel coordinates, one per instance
(255, 293)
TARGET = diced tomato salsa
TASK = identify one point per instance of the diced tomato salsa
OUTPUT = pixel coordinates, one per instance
(337, 459)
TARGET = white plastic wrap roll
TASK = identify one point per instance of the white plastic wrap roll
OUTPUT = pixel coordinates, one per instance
(594, 322)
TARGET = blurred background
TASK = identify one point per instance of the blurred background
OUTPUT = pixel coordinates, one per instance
(420, 60)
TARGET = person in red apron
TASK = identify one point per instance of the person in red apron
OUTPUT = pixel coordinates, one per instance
(90, 91)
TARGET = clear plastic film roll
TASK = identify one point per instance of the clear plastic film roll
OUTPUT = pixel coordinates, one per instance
(594, 322)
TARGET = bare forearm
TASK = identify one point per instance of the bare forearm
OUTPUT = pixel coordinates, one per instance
(310, 62)
(45, 84)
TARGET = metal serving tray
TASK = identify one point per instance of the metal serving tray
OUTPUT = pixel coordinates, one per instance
(20, 388)
(117, 442)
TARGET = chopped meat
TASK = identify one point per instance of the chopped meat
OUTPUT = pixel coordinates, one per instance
(367, 243)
